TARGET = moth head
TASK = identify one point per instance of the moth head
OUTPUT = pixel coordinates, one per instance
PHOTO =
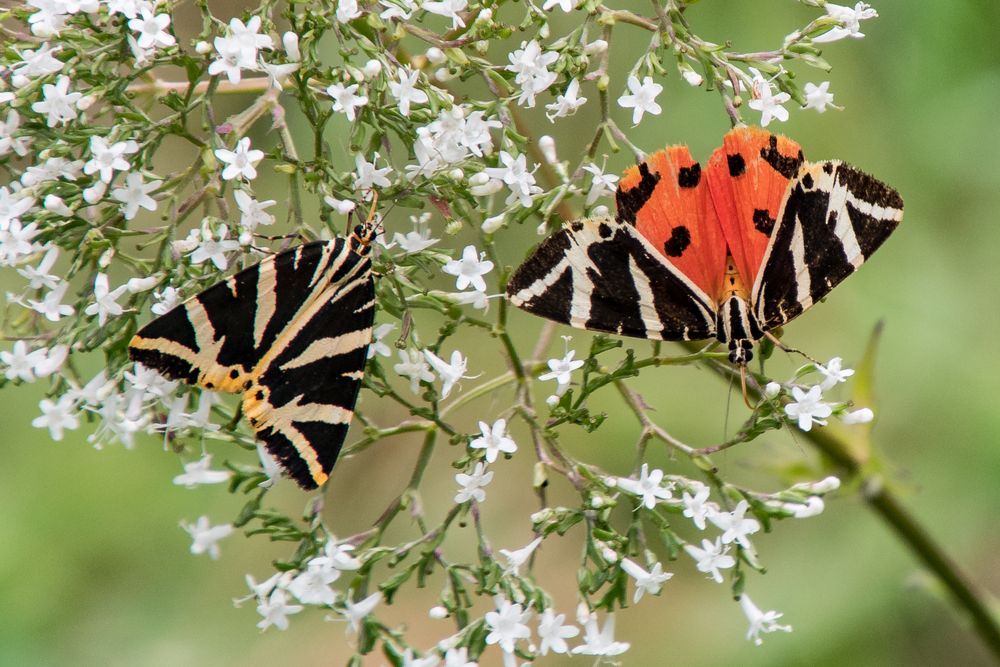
(740, 352)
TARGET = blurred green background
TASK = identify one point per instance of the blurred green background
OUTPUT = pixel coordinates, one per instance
(94, 569)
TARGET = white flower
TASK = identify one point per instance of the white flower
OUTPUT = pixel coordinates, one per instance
(553, 632)
(253, 212)
(600, 185)
(507, 624)
(152, 29)
(808, 408)
(347, 10)
(647, 486)
(438, 612)
(290, 42)
(818, 97)
(409, 660)
(711, 557)
(240, 163)
(51, 360)
(735, 525)
(448, 8)
(214, 248)
(199, 472)
(37, 62)
(600, 641)
(470, 269)
(643, 97)
(404, 89)
(565, 5)
(165, 301)
(760, 621)
(449, 373)
(494, 440)
(248, 35)
(39, 276)
(135, 194)
(346, 100)
(516, 176)
(696, 508)
(9, 142)
(560, 370)
(458, 657)
(270, 467)
(412, 365)
(833, 373)
(765, 101)
(205, 536)
(341, 206)
(57, 416)
(17, 241)
(531, 65)
(340, 556)
(57, 102)
(645, 582)
(403, 11)
(377, 346)
(849, 19)
(417, 240)
(312, 586)
(515, 559)
(233, 57)
(105, 300)
(567, 103)
(472, 484)
(51, 305)
(276, 610)
(355, 612)
(772, 389)
(21, 363)
(108, 158)
(367, 176)
(862, 416)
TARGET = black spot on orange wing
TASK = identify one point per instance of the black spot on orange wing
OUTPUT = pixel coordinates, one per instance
(615, 303)
(785, 165)
(680, 239)
(630, 201)
(689, 177)
(762, 221)
(737, 165)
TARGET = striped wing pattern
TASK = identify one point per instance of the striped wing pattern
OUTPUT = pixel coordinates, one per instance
(601, 274)
(291, 334)
(789, 230)
(833, 217)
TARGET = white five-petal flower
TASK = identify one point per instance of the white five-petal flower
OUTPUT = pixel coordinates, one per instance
(494, 440)
(642, 99)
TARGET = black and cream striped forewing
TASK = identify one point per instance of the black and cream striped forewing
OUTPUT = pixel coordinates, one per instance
(832, 219)
(602, 275)
(291, 334)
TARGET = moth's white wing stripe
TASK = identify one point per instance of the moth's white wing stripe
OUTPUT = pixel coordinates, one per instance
(321, 348)
(647, 305)
(803, 283)
(266, 301)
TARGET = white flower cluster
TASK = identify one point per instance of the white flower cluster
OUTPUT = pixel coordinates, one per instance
(807, 407)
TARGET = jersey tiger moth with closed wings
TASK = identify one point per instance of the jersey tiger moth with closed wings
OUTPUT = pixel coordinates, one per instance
(291, 334)
(729, 251)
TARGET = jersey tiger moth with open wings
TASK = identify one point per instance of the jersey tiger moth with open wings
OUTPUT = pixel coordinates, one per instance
(730, 251)
(291, 334)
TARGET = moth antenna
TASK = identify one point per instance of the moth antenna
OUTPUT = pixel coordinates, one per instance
(784, 348)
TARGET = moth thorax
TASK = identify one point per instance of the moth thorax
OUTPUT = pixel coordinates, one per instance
(738, 327)
(362, 237)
